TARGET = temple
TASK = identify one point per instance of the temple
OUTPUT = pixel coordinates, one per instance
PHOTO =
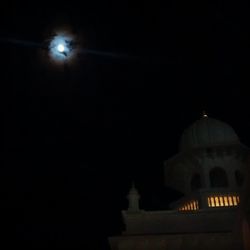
(210, 171)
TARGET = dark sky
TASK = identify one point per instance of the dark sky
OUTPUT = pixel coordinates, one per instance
(75, 137)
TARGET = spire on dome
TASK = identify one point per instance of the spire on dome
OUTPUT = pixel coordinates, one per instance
(208, 132)
(204, 114)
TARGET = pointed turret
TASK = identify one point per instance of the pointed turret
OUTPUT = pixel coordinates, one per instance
(133, 199)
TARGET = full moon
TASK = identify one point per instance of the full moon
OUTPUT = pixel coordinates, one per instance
(61, 48)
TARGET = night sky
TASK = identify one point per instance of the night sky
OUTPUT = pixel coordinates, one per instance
(74, 137)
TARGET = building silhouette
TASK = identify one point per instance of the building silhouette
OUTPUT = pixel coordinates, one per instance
(210, 170)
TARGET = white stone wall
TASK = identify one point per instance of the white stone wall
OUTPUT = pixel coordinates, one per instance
(180, 169)
(211, 241)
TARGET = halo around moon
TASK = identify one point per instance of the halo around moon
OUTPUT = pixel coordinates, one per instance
(61, 47)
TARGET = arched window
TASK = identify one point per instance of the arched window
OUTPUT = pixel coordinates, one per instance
(196, 182)
(218, 177)
(239, 178)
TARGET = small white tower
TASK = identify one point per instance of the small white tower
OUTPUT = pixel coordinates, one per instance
(133, 199)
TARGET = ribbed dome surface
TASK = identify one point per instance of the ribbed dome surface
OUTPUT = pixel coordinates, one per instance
(207, 132)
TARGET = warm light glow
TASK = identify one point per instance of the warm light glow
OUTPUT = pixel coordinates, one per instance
(235, 201)
(222, 201)
(212, 202)
(230, 201)
(190, 206)
(217, 203)
(238, 199)
(194, 204)
(225, 201)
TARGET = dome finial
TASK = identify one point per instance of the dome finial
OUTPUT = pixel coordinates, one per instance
(208, 132)
(204, 114)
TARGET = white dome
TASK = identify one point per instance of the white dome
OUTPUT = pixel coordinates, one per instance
(207, 132)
